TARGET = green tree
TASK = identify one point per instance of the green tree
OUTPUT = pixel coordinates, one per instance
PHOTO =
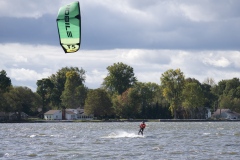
(128, 104)
(238, 92)
(219, 88)
(209, 97)
(193, 97)
(225, 102)
(231, 87)
(236, 105)
(59, 80)
(81, 94)
(147, 91)
(148, 98)
(228, 93)
(5, 85)
(21, 99)
(172, 82)
(3, 105)
(5, 82)
(44, 90)
(98, 102)
(120, 77)
(70, 96)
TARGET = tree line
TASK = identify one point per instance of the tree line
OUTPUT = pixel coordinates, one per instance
(121, 95)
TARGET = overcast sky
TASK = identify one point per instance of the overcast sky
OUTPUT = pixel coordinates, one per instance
(201, 37)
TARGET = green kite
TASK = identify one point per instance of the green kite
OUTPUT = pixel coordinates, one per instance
(69, 27)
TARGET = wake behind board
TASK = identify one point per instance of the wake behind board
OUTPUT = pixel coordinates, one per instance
(123, 135)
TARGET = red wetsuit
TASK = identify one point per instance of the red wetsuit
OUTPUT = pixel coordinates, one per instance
(142, 126)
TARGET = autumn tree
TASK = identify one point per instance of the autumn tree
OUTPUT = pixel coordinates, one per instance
(98, 102)
(193, 97)
(172, 82)
(71, 95)
(120, 77)
(59, 80)
(127, 105)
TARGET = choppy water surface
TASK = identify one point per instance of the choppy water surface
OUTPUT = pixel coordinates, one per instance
(161, 140)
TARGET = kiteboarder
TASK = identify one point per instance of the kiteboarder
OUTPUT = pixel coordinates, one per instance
(142, 126)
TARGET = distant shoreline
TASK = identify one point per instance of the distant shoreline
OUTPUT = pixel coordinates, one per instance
(121, 120)
(197, 120)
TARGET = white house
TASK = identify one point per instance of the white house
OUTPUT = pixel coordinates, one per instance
(69, 115)
(80, 114)
(226, 114)
(53, 115)
(208, 113)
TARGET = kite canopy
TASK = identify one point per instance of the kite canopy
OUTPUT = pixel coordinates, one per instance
(69, 27)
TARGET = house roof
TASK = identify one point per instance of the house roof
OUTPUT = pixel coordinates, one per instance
(51, 111)
(218, 111)
(76, 111)
(225, 111)
(70, 112)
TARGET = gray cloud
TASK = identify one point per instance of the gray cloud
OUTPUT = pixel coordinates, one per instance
(131, 24)
(199, 37)
(25, 64)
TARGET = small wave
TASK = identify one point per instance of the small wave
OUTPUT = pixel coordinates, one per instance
(229, 153)
(237, 134)
(206, 133)
(122, 135)
(32, 136)
(219, 134)
(32, 155)
(37, 135)
(156, 148)
(43, 135)
(6, 155)
(55, 136)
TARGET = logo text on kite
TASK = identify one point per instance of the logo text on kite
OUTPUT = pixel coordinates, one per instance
(67, 24)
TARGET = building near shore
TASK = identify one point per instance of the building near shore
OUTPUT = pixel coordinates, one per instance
(226, 114)
(80, 114)
(53, 115)
(68, 114)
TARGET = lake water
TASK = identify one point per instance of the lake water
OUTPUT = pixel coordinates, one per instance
(119, 141)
